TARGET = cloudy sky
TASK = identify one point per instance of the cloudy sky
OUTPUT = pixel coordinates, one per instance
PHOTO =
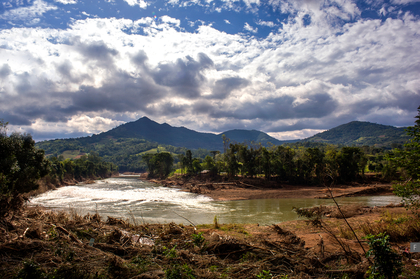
(291, 68)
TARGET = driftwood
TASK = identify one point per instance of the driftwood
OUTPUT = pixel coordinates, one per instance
(248, 185)
(70, 235)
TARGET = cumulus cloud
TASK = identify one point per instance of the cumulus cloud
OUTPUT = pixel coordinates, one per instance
(324, 67)
(250, 28)
(66, 2)
(265, 23)
(141, 3)
(37, 9)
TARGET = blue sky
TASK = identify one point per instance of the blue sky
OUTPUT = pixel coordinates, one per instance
(70, 68)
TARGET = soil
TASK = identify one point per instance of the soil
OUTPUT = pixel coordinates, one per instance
(240, 188)
(36, 243)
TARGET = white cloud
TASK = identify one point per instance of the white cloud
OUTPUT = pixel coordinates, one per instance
(249, 28)
(141, 3)
(227, 21)
(330, 74)
(404, 2)
(38, 8)
(66, 1)
(265, 23)
(291, 135)
(171, 20)
(76, 126)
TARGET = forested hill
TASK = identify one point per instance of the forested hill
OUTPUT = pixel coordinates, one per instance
(362, 133)
(149, 130)
(126, 144)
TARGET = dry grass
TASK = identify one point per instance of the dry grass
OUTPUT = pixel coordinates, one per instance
(400, 227)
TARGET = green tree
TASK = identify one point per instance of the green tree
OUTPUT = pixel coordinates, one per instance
(314, 158)
(232, 163)
(409, 162)
(210, 164)
(21, 166)
(350, 161)
(266, 163)
(197, 165)
(159, 164)
(248, 157)
(188, 162)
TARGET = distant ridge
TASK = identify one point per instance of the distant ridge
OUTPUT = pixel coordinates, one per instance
(358, 133)
(150, 130)
(126, 144)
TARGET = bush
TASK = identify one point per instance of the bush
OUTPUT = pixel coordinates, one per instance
(21, 165)
(386, 262)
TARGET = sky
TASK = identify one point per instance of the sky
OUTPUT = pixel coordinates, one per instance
(290, 68)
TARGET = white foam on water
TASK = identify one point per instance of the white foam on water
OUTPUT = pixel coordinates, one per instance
(119, 192)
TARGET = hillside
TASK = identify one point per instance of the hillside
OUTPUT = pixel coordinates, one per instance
(147, 129)
(362, 133)
(125, 144)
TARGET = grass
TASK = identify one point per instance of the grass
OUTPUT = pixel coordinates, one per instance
(71, 154)
(400, 227)
(156, 150)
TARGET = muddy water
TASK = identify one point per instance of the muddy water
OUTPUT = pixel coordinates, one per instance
(146, 202)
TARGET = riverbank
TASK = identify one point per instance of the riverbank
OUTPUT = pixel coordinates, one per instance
(45, 244)
(47, 183)
(239, 188)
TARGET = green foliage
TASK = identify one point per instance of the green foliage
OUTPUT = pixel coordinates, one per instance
(87, 166)
(198, 239)
(409, 162)
(351, 161)
(159, 165)
(170, 253)
(386, 263)
(358, 133)
(265, 274)
(180, 272)
(21, 165)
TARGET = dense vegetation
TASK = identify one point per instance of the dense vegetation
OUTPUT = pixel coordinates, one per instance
(408, 160)
(125, 145)
(126, 153)
(358, 133)
(296, 166)
(22, 165)
(313, 163)
(87, 166)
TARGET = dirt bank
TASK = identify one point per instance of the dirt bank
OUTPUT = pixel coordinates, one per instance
(44, 244)
(220, 188)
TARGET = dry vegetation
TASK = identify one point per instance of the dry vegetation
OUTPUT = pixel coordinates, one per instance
(45, 244)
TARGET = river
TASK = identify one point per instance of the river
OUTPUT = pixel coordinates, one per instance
(146, 202)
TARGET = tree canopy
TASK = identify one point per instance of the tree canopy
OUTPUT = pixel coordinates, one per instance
(21, 165)
(409, 162)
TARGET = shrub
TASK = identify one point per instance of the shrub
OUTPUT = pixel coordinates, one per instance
(386, 262)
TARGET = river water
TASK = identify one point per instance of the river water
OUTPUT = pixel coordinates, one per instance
(146, 202)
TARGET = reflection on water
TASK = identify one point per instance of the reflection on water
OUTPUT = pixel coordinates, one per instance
(127, 197)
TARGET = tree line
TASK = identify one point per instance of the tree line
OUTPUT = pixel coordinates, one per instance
(22, 165)
(283, 163)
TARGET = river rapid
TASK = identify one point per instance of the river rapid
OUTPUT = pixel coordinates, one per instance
(144, 202)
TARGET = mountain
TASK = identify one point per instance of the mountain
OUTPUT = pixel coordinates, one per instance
(359, 133)
(149, 130)
(125, 144)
